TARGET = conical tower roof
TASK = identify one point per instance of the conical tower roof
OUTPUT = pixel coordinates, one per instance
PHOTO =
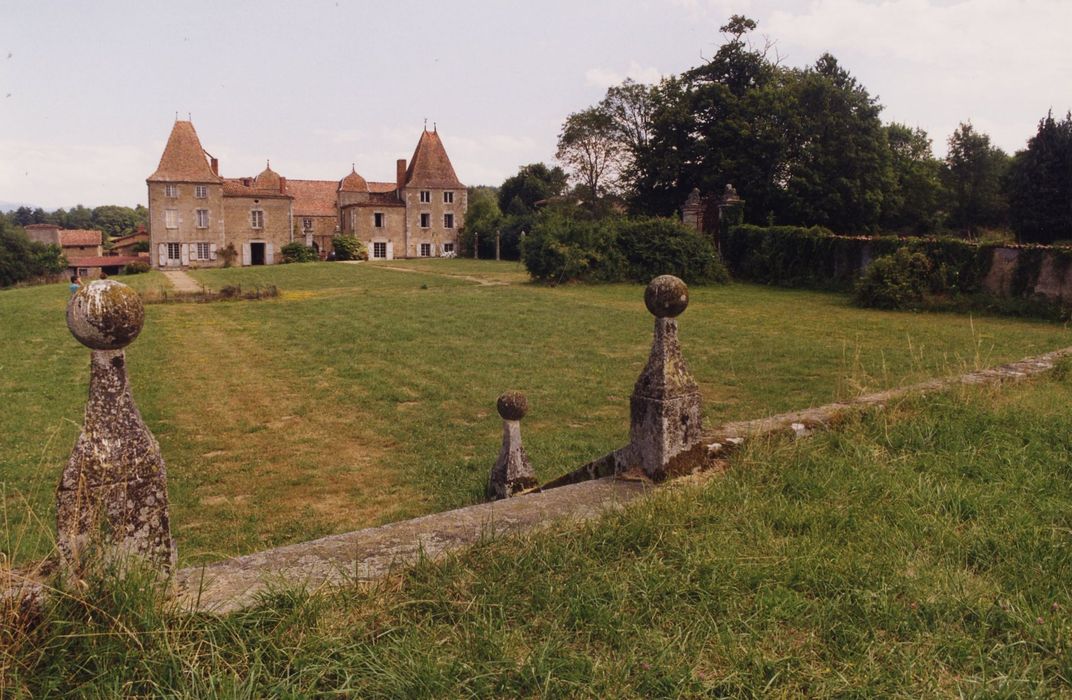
(430, 166)
(353, 182)
(183, 159)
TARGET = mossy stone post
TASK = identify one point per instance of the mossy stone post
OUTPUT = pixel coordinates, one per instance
(112, 498)
(665, 406)
(513, 471)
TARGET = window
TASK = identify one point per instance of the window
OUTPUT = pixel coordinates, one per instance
(426, 220)
(426, 196)
(256, 218)
(448, 221)
(307, 224)
(448, 198)
(379, 249)
(171, 218)
(202, 218)
(203, 252)
(171, 190)
(173, 252)
(377, 219)
(83, 272)
(200, 191)
(426, 250)
(448, 248)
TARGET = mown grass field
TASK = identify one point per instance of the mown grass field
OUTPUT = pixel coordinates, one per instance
(366, 393)
(920, 551)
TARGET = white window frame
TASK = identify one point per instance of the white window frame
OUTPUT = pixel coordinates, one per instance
(174, 248)
(202, 218)
(256, 218)
(448, 220)
(448, 198)
(426, 196)
(448, 247)
(379, 220)
(202, 251)
(426, 220)
(171, 218)
(201, 191)
(425, 250)
(171, 190)
(377, 246)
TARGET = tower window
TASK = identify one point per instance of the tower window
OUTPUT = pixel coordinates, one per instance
(426, 196)
(448, 198)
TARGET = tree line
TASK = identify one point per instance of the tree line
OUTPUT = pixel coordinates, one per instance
(113, 220)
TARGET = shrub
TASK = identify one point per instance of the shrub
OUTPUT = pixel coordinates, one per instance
(895, 281)
(298, 252)
(349, 248)
(228, 254)
(563, 248)
(654, 246)
(22, 260)
(136, 268)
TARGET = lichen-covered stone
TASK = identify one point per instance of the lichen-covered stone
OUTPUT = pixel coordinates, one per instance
(666, 296)
(105, 315)
(112, 496)
(513, 472)
(512, 405)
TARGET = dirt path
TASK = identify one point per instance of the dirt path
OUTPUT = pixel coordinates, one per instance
(181, 281)
(469, 278)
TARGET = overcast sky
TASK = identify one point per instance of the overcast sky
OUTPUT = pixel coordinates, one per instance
(89, 90)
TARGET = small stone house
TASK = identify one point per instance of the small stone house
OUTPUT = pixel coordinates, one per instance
(75, 243)
(198, 217)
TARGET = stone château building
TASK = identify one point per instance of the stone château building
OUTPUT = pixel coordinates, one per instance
(197, 217)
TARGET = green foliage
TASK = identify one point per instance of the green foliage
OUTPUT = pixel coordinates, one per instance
(895, 281)
(915, 198)
(565, 246)
(23, 260)
(590, 148)
(533, 183)
(973, 176)
(1039, 184)
(140, 247)
(298, 252)
(482, 219)
(349, 248)
(136, 268)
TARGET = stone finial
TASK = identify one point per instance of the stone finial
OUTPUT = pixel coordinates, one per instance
(513, 471)
(665, 407)
(112, 496)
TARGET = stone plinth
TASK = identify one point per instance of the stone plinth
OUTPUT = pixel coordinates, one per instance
(112, 496)
(665, 408)
(513, 472)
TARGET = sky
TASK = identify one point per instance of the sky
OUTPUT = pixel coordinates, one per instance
(89, 90)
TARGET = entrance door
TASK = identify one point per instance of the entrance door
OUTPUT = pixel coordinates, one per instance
(256, 253)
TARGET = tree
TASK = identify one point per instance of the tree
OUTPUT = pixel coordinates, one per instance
(22, 259)
(482, 219)
(589, 147)
(973, 173)
(914, 202)
(1039, 184)
(115, 220)
(533, 183)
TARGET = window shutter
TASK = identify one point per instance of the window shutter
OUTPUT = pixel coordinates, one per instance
(184, 251)
(247, 256)
(390, 250)
(161, 255)
(212, 251)
(269, 253)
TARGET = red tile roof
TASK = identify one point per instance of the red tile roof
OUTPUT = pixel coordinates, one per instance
(183, 159)
(76, 236)
(313, 197)
(430, 166)
(353, 183)
(103, 261)
(238, 187)
(382, 187)
(31, 227)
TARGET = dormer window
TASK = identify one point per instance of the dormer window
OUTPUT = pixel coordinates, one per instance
(448, 198)
(426, 196)
(171, 190)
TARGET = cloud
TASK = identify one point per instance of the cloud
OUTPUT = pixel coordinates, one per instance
(605, 78)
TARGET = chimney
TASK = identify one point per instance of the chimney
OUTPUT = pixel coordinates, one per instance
(400, 175)
(216, 167)
(282, 185)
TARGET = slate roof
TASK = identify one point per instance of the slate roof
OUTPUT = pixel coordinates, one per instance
(183, 159)
(430, 166)
(80, 236)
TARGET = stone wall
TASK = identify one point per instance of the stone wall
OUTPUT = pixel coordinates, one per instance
(275, 234)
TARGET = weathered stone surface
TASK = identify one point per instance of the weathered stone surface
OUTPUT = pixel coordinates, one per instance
(665, 408)
(513, 471)
(112, 495)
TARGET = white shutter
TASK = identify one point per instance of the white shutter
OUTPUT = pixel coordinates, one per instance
(269, 253)
(161, 255)
(247, 256)
(212, 251)
(184, 251)
(390, 250)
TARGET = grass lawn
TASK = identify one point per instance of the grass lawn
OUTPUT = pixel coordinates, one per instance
(919, 551)
(366, 393)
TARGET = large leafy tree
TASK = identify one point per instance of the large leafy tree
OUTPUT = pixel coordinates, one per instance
(973, 173)
(1039, 184)
(590, 149)
(533, 183)
(914, 202)
(482, 219)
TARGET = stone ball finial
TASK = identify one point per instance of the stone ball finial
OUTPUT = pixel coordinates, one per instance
(105, 315)
(513, 405)
(666, 296)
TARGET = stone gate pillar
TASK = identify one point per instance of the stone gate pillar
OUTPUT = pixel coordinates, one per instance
(513, 471)
(112, 497)
(665, 407)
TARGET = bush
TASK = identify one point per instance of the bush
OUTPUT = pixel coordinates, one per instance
(136, 268)
(564, 246)
(349, 248)
(895, 281)
(22, 260)
(298, 252)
